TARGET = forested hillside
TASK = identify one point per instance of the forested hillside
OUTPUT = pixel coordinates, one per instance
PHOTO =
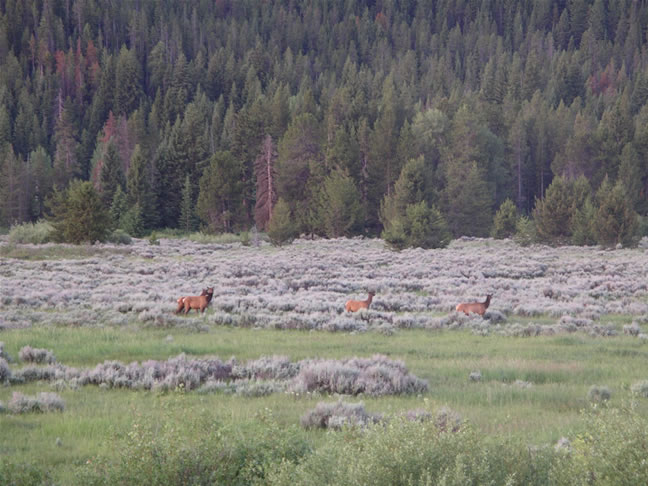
(206, 113)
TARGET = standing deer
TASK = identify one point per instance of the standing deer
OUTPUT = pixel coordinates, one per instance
(476, 307)
(356, 305)
(198, 302)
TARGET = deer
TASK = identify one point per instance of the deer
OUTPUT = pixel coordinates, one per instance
(356, 305)
(198, 302)
(476, 307)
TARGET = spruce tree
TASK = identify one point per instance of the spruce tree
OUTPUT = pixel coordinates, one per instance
(219, 200)
(616, 220)
(187, 211)
(505, 220)
(340, 209)
(112, 174)
(78, 214)
(282, 229)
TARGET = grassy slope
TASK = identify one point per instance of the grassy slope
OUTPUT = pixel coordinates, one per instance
(561, 368)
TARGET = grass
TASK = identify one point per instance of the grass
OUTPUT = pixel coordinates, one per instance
(561, 370)
(57, 252)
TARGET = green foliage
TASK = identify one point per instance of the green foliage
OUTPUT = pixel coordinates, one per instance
(120, 237)
(553, 215)
(78, 215)
(413, 452)
(34, 233)
(584, 224)
(220, 200)
(407, 218)
(282, 229)
(615, 220)
(339, 209)
(157, 452)
(23, 475)
(525, 231)
(609, 451)
(187, 212)
(504, 224)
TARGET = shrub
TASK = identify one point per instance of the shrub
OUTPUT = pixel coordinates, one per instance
(3, 352)
(36, 355)
(35, 233)
(120, 237)
(336, 415)
(5, 372)
(598, 394)
(374, 376)
(640, 388)
(22, 474)
(42, 402)
(407, 452)
(610, 451)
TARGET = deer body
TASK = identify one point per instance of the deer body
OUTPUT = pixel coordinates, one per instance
(198, 302)
(356, 305)
(475, 307)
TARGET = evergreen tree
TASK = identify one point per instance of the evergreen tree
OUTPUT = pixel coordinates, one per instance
(78, 215)
(282, 228)
(219, 201)
(112, 175)
(187, 210)
(553, 214)
(616, 221)
(15, 194)
(340, 208)
(139, 190)
(119, 207)
(505, 220)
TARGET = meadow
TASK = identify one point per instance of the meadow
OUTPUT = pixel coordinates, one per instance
(275, 383)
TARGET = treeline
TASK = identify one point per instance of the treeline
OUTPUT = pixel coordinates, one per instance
(346, 117)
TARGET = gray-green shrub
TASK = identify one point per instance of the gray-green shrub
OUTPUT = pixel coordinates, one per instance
(35, 233)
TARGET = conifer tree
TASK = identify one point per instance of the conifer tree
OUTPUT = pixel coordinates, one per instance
(340, 209)
(78, 215)
(187, 211)
(266, 176)
(219, 201)
(505, 220)
(616, 220)
(112, 174)
(282, 229)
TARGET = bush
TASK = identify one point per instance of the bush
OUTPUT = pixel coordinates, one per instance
(610, 451)
(34, 233)
(640, 388)
(407, 452)
(36, 355)
(5, 371)
(598, 394)
(42, 402)
(22, 475)
(162, 453)
(336, 415)
(120, 237)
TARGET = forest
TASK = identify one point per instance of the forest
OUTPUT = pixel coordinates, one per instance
(334, 117)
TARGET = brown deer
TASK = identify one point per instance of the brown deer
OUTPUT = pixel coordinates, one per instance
(476, 307)
(198, 302)
(356, 305)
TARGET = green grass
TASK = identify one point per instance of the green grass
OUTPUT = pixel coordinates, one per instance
(56, 252)
(560, 368)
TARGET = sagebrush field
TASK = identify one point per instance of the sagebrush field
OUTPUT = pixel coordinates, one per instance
(101, 375)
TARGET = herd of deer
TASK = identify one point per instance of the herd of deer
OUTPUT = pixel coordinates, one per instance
(200, 303)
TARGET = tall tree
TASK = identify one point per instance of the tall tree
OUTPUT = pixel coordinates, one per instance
(219, 201)
(266, 176)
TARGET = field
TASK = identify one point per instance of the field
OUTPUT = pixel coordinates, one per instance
(565, 337)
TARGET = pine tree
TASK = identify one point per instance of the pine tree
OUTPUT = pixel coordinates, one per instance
(340, 209)
(505, 220)
(282, 229)
(139, 190)
(112, 174)
(187, 211)
(219, 201)
(78, 215)
(616, 221)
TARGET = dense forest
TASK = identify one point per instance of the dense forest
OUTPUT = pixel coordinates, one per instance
(347, 117)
